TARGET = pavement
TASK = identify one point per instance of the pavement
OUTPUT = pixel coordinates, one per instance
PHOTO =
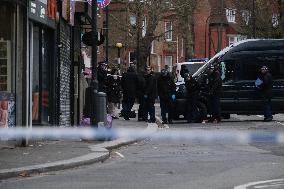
(45, 156)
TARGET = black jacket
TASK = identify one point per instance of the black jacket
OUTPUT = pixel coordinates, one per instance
(113, 89)
(266, 87)
(215, 84)
(102, 77)
(129, 83)
(166, 86)
(192, 87)
(150, 86)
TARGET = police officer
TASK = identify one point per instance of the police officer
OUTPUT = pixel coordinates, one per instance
(140, 96)
(129, 86)
(265, 89)
(150, 94)
(215, 91)
(113, 92)
(102, 76)
(193, 89)
(166, 92)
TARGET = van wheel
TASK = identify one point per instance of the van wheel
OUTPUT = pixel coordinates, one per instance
(226, 116)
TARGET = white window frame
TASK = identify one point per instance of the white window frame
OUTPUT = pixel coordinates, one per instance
(231, 15)
(275, 20)
(169, 31)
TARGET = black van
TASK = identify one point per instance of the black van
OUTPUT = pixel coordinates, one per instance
(239, 66)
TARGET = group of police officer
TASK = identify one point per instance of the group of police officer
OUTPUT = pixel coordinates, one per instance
(146, 87)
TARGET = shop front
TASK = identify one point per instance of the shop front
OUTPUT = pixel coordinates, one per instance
(12, 58)
(42, 63)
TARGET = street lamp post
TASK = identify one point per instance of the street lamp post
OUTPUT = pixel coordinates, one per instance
(94, 80)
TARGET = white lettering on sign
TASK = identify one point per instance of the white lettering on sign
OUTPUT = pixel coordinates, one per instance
(42, 12)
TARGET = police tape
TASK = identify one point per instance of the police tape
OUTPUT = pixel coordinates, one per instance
(198, 135)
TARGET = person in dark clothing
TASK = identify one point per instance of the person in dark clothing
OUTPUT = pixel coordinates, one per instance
(215, 91)
(150, 94)
(193, 89)
(265, 89)
(166, 92)
(129, 83)
(102, 77)
(140, 96)
(113, 92)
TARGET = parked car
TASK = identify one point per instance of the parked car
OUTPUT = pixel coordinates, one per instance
(239, 65)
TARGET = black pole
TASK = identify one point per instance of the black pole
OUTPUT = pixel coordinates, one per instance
(94, 82)
(107, 23)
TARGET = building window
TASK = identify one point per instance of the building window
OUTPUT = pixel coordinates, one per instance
(144, 27)
(231, 15)
(246, 15)
(169, 62)
(275, 21)
(132, 20)
(168, 31)
(132, 57)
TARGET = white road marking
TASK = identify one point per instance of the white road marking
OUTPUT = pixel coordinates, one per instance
(276, 182)
(122, 156)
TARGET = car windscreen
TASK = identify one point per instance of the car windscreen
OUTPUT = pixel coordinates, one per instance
(190, 68)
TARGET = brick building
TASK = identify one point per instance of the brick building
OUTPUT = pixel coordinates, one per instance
(219, 23)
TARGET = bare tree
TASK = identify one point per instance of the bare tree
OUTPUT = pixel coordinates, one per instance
(185, 10)
(260, 18)
(147, 15)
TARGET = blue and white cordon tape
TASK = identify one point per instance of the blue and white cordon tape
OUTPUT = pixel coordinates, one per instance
(202, 136)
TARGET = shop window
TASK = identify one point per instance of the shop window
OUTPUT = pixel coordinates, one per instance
(6, 41)
(42, 58)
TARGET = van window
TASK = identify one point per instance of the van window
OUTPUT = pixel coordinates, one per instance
(190, 68)
(250, 67)
(227, 71)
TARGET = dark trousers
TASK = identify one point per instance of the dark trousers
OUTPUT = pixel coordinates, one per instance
(127, 104)
(166, 107)
(141, 109)
(215, 106)
(267, 108)
(149, 108)
(192, 115)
